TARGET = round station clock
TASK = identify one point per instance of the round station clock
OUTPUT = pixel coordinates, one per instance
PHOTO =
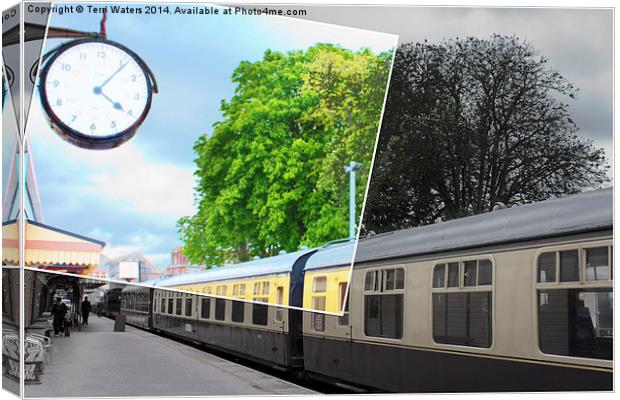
(96, 92)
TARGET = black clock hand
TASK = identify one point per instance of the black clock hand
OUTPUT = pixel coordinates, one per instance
(115, 104)
(113, 75)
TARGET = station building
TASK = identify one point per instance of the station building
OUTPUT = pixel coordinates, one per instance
(47, 247)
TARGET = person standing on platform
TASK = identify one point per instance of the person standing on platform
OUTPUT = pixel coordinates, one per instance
(85, 310)
(59, 310)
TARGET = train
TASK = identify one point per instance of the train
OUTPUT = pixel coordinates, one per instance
(111, 302)
(516, 299)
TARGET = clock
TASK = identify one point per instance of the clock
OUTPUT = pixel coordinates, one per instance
(96, 92)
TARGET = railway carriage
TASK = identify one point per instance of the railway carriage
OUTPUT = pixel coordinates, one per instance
(251, 329)
(517, 299)
(111, 302)
(327, 274)
(136, 303)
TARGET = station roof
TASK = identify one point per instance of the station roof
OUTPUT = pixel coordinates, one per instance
(50, 247)
(587, 211)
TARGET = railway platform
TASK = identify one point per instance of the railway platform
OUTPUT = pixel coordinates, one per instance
(98, 362)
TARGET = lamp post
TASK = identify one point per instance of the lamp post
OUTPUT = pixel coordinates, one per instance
(350, 169)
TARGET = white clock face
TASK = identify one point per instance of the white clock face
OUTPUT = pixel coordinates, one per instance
(96, 89)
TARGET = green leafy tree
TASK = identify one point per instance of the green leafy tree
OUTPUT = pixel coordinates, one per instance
(270, 175)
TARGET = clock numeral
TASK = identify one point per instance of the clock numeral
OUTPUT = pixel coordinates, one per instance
(73, 118)
(56, 83)
(136, 96)
(82, 56)
(101, 54)
(66, 67)
(58, 102)
(133, 78)
(113, 125)
(130, 112)
(93, 127)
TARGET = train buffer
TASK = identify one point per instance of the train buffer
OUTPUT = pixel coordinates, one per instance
(98, 362)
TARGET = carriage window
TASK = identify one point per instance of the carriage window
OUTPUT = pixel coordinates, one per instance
(463, 316)
(569, 266)
(170, 306)
(319, 284)
(318, 319)
(239, 289)
(477, 272)
(188, 307)
(238, 309)
(205, 309)
(485, 272)
(453, 274)
(439, 276)
(371, 280)
(179, 305)
(597, 264)
(400, 279)
(257, 289)
(259, 314)
(577, 321)
(220, 309)
(394, 279)
(344, 303)
(469, 274)
(546, 267)
(383, 304)
(280, 300)
(221, 290)
(265, 288)
(163, 306)
(384, 316)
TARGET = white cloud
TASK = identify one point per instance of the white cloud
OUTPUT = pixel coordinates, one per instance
(100, 234)
(146, 239)
(123, 175)
(118, 251)
(308, 33)
(142, 186)
(160, 260)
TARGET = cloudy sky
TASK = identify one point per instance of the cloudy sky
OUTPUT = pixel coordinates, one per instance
(577, 42)
(131, 197)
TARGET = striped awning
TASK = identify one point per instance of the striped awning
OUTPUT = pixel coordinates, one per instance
(49, 247)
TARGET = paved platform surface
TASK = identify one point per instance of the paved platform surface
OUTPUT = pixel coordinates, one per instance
(101, 363)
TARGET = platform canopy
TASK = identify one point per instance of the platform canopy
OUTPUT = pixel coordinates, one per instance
(51, 248)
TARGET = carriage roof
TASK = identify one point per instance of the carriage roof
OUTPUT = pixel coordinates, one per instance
(141, 286)
(583, 212)
(339, 255)
(265, 266)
